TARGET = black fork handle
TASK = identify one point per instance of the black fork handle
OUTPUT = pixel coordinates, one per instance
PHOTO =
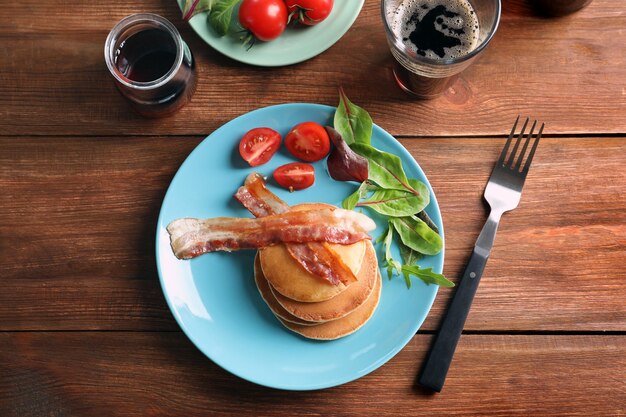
(440, 356)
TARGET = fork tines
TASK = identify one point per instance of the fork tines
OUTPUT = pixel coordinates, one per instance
(510, 162)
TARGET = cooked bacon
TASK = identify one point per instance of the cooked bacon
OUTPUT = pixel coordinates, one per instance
(192, 237)
(318, 258)
(260, 201)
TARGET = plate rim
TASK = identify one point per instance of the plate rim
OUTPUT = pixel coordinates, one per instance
(253, 59)
(383, 359)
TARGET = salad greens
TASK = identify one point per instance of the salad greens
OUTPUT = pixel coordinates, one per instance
(391, 193)
(410, 267)
(415, 234)
(353, 123)
(389, 202)
(343, 163)
(194, 7)
(221, 15)
(220, 12)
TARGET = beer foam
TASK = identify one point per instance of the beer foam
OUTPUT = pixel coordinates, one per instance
(454, 21)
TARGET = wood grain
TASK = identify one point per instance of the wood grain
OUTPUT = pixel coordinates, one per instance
(78, 215)
(157, 374)
(569, 72)
(84, 327)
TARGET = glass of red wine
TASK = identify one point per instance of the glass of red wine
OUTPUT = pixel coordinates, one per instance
(152, 66)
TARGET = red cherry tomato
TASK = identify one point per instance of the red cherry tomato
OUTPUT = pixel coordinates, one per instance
(308, 141)
(295, 176)
(309, 12)
(259, 145)
(265, 19)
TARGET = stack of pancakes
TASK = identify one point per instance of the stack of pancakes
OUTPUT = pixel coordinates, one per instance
(310, 305)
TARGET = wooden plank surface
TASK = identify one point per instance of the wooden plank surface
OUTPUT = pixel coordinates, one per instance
(78, 216)
(569, 71)
(84, 327)
(158, 374)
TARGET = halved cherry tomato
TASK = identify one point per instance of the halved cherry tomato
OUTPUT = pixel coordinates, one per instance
(265, 19)
(295, 176)
(309, 12)
(308, 141)
(259, 145)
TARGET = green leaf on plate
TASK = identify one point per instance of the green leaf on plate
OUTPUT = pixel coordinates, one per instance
(194, 7)
(398, 203)
(385, 169)
(427, 275)
(410, 267)
(416, 234)
(221, 15)
(408, 255)
(391, 264)
(352, 122)
(426, 218)
(350, 202)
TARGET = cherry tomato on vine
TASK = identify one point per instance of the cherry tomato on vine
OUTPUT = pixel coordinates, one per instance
(309, 12)
(308, 141)
(258, 145)
(264, 19)
(295, 176)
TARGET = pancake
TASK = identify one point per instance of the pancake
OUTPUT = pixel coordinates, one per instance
(340, 305)
(290, 279)
(344, 326)
(266, 293)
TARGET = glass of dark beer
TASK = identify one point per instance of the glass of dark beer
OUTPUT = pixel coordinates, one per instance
(432, 41)
(560, 7)
(152, 66)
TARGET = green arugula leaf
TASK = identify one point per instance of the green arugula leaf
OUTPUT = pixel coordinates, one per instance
(408, 255)
(391, 264)
(351, 201)
(416, 234)
(409, 267)
(194, 7)
(397, 203)
(427, 275)
(221, 15)
(352, 122)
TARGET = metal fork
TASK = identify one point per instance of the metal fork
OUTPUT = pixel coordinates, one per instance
(503, 193)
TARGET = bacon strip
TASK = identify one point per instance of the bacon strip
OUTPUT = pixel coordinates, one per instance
(260, 201)
(193, 237)
(318, 258)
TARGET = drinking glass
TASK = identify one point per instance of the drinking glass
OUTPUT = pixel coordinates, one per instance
(560, 7)
(155, 40)
(426, 77)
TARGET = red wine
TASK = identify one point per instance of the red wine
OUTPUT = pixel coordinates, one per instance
(157, 70)
(146, 56)
(152, 66)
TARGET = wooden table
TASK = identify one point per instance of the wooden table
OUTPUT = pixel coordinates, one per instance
(84, 327)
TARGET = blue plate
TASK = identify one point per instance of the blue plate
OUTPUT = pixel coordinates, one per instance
(214, 298)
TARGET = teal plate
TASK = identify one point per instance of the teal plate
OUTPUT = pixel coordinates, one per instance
(214, 297)
(295, 45)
